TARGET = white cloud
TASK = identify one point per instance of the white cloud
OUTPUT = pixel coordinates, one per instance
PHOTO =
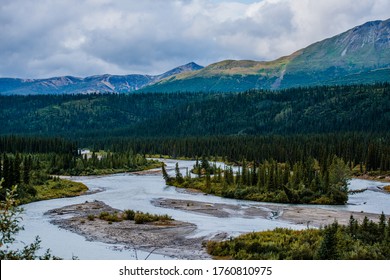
(46, 38)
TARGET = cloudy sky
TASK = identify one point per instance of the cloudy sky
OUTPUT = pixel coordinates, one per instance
(44, 38)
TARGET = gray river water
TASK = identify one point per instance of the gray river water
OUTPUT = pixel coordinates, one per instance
(130, 191)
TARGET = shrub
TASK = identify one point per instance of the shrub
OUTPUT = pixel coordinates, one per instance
(91, 217)
(141, 218)
(110, 217)
(103, 215)
(138, 217)
(128, 215)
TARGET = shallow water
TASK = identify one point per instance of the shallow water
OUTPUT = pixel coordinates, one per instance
(129, 191)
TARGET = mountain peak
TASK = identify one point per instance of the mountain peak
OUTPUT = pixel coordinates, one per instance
(192, 65)
(189, 67)
(373, 32)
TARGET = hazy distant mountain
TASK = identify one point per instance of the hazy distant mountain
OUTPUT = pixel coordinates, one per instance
(98, 83)
(359, 55)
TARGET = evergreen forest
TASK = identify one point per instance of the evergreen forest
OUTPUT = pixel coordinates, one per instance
(92, 117)
(307, 182)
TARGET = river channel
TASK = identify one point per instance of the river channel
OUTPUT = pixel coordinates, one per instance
(135, 191)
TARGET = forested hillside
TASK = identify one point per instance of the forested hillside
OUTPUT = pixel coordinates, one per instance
(364, 108)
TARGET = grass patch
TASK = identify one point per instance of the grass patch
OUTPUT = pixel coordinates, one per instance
(56, 188)
(131, 215)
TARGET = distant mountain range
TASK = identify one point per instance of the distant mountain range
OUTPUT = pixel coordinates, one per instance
(359, 55)
(99, 83)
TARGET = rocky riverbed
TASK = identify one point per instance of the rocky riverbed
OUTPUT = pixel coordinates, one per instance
(312, 217)
(166, 238)
(173, 238)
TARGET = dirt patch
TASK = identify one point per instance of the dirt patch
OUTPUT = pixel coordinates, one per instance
(147, 172)
(166, 238)
(219, 210)
(321, 217)
(380, 178)
(294, 214)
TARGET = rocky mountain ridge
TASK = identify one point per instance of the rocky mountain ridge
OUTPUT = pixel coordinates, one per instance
(99, 83)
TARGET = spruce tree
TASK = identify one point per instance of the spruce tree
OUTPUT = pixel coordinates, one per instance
(328, 249)
(179, 176)
(165, 174)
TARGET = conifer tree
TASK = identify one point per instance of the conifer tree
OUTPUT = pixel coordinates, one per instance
(328, 249)
(164, 172)
(179, 176)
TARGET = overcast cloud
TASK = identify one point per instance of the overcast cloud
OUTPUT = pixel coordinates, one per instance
(43, 38)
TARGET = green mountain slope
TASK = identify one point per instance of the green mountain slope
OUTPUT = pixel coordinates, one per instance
(359, 55)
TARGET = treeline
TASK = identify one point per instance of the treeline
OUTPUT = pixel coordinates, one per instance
(85, 118)
(98, 163)
(367, 240)
(36, 145)
(368, 152)
(308, 181)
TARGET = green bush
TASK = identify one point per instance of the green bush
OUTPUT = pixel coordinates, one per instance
(128, 215)
(91, 217)
(110, 217)
(103, 215)
(141, 218)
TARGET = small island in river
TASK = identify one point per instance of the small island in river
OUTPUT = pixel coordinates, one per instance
(169, 237)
